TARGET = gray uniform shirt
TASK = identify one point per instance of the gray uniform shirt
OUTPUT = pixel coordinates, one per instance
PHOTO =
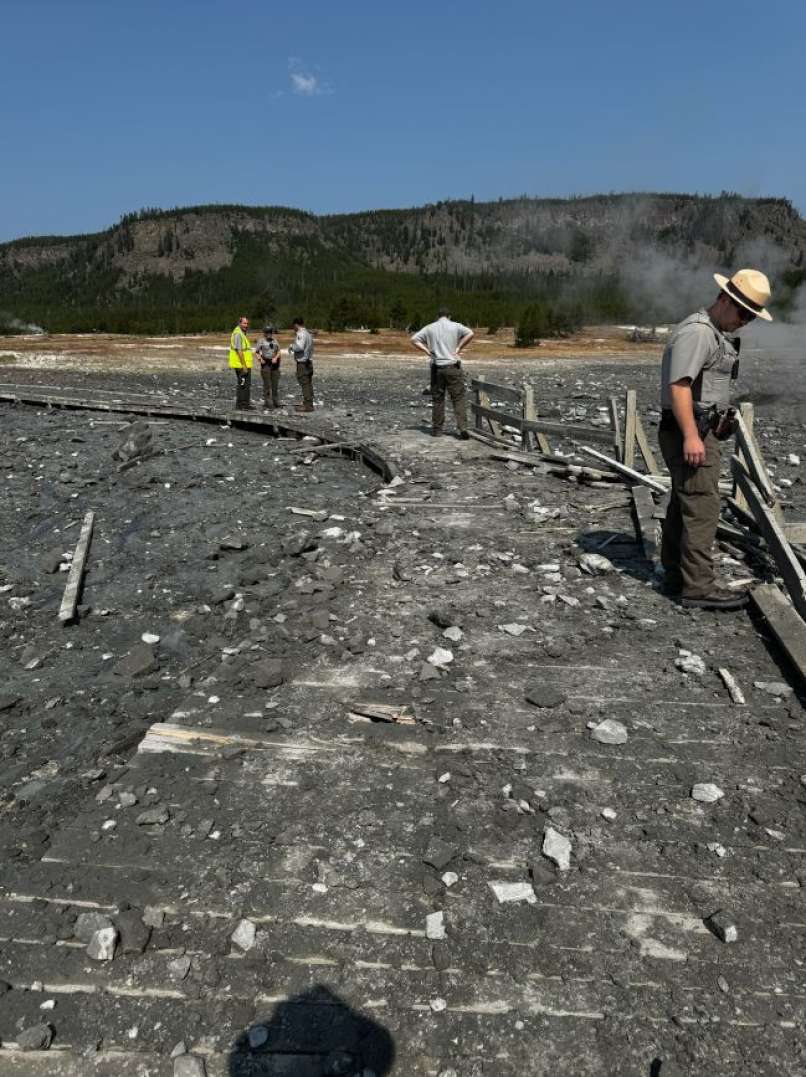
(699, 351)
(442, 338)
(302, 348)
(268, 350)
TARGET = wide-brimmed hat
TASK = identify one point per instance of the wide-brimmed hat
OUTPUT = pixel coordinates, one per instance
(750, 289)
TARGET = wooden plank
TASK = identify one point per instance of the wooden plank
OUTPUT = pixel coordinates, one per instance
(529, 412)
(569, 430)
(615, 423)
(67, 610)
(630, 407)
(646, 524)
(754, 462)
(650, 462)
(747, 412)
(795, 531)
(788, 564)
(784, 623)
(622, 469)
(502, 392)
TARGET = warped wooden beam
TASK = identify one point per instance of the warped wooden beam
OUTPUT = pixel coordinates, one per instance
(627, 472)
(777, 544)
(615, 434)
(783, 621)
(754, 462)
(569, 430)
(67, 610)
(630, 416)
(504, 392)
(643, 444)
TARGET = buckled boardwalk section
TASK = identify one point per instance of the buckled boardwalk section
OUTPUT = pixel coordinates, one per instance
(334, 840)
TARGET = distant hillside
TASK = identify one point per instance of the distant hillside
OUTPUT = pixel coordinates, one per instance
(600, 258)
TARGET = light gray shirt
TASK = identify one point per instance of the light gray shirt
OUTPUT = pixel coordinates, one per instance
(442, 338)
(302, 348)
(697, 350)
(268, 350)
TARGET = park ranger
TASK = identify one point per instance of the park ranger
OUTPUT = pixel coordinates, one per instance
(700, 365)
(301, 351)
(443, 341)
(268, 352)
(240, 360)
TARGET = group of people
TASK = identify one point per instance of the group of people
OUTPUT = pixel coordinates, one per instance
(267, 349)
(699, 369)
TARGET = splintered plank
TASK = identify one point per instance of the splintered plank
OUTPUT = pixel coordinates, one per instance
(784, 623)
(67, 610)
(643, 444)
(563, 430)
(788, 564)
(622, 469)
(630, 417)
(754, 464)
(646, 524)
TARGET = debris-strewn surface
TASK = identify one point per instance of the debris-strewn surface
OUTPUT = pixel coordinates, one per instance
(211, 867)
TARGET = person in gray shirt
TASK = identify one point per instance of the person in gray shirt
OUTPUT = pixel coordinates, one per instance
(301, 351)
(268, 352)
(700, 364)
(443, 342)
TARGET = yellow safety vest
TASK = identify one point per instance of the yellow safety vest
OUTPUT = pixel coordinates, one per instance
(234, 361)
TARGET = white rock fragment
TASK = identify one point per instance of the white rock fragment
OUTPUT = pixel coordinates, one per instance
(687, 662)
(732, 685)
(438, 1005)
(706, 793)
(454, 633)
(610, 814)
(435, 925)
(440, 657)
(793, 459)
(513, 892)
(515, 629)
(449, 879)
(101, 946)
(778, 689)
(150, 637)
(244, 935)
(557, 847)
(610, 732)
(715, 847)
(446, 777)
(595, 564)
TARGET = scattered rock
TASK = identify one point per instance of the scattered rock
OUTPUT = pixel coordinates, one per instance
(435, 926)
(438, 1005)
(595, 565)
(439, 853)
(134, 934)
(513, 892)
(189, 1066)
(687, 662)
(153, 917)
(429, 672)
(101, 946)
(609, 814)
(442, 618)
(610, 732)
(545, 696)
(268, 673)
(454, 633)
(244, 935)
(138, 662)
(515, 628)
(153, 816)
(179, 968)
(87, 923)
(35, 1038)
(150, 638)
(721, 924)
(557, 847)
(706, 792)
(774, 688)
(440, 657)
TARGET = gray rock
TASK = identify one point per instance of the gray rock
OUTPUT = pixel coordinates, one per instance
(221, 593)
(179, 968)
(35, 1038)
(687, 662)
(87, 923)
(269, 673)
(189, 1066)
(545, 696)
(777, 689)
(557, 847)
(435, 926)
(138, 662)
(706, 792)
(180, 1049)
(298, 544)
(723, 925)
(442, 618)
(439, 853)
(429, 672)
(595, 564)
(610, 732)
(127, 800)
(234, 542)
(153, 816)
(153, 917)
(101, 946)
(134, 934)
(244, 935)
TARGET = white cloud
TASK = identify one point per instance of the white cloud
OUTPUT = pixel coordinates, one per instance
(304, 81)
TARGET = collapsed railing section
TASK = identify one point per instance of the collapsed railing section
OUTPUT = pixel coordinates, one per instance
(752, 499)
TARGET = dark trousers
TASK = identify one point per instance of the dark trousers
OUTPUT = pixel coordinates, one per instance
(451, 380)
(305, 379)
(691, 520)
(243, 389)
(271, 385)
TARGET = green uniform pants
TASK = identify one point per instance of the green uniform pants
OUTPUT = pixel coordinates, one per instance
(271, 385)
(691, 520)
(305, 379)
(451, 380)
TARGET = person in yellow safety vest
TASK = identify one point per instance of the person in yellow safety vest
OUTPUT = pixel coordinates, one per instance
(240, 360)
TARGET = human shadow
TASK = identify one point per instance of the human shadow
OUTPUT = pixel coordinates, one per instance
(313, 1034)
(620, 548)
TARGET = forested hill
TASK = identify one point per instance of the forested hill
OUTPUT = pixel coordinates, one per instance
(602, 258)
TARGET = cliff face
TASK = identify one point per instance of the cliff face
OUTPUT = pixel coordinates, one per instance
(192, 259)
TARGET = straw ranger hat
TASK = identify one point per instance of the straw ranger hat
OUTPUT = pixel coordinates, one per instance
(750, 289)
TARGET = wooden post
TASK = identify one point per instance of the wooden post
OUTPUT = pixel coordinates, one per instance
(615, 423)
(530, 412)
(477, 400)
(67, 610)
(644, 447)
(748, 413)
(630, 405)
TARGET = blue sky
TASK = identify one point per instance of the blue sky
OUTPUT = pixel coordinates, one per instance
(111, 106)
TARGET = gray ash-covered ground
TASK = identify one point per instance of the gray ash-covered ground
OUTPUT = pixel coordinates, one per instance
(254, 795)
